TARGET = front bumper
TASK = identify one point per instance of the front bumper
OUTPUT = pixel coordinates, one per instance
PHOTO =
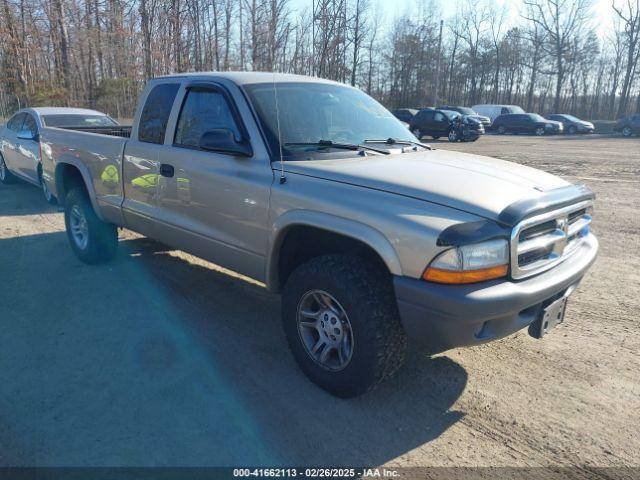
(448, 316)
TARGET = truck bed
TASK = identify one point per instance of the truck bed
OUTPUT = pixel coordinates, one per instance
(123, 131)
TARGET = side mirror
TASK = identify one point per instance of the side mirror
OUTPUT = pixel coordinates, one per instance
(224, 141)
(27, 135)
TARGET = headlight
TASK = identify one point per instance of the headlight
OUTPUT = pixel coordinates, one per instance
(470, 263)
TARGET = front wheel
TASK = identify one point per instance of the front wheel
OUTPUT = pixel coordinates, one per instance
(453, 135)
(540, 131)
(626, 131)
(91, 239)
(417, 133)
(6, 177)
(342, 324)
(502, 130)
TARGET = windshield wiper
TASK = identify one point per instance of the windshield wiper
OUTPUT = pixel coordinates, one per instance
(332, 144)
(393, 141)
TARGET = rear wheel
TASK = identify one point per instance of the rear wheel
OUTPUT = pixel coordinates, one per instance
(502, 130)
(342, 324)
(6, 177)
(91, 239)
(417, 132)
(626, 131)
(540, 131)
(48, 196)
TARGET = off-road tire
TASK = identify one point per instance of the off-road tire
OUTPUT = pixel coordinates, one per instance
(102, 242)
(6, 177)
(366, 294)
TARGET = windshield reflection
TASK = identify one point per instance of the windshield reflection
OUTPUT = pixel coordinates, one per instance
(321, 112)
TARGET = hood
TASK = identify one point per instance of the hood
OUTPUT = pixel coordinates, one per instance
(480, 185)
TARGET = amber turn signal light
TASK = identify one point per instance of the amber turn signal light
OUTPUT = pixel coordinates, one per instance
(438, 275)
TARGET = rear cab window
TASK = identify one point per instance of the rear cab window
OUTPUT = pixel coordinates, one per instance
(155, 113)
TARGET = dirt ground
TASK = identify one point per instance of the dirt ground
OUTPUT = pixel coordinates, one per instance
(159, 358)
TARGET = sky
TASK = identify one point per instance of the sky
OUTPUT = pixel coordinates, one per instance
(602, 11)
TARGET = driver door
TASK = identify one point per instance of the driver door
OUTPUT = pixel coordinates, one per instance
(211, 204)
(441, 124)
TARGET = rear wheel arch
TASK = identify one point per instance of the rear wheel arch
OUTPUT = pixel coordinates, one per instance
(69, 175)
(304, 239)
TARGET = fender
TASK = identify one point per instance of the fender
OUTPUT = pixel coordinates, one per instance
(324, 221)
(66, 159)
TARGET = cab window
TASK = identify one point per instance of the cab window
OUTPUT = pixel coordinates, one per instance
(155, 114)
(203, 110)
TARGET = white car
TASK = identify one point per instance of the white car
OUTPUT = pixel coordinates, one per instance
(494, 111)
(20, 148)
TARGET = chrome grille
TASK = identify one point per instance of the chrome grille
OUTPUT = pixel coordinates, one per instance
(543, 241)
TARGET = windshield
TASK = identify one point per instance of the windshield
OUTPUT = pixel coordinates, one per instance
(536, 117)
(514, 110)
(466, 111)
(570, 118)
(451, 114)
(76, 120)
(311, 112)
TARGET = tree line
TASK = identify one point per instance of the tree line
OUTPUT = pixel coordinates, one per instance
(99, 53)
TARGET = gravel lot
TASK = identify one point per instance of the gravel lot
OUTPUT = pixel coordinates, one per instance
(162, 359)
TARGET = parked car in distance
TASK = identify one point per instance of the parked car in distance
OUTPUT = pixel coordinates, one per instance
(404, 114)
(629, 125)
(372, 238)
(469, 112)
(531, 123)
(21, 148)
(571, 124)
(494, 111)
(440, 123)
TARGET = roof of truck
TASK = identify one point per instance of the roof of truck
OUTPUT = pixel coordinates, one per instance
(246, 78)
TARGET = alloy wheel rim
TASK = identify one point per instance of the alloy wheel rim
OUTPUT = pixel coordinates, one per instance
(325, 330)
(79, 227)
(539, 131)
(626, 131)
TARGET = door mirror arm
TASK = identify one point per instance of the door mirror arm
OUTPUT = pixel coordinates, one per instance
(28, 135)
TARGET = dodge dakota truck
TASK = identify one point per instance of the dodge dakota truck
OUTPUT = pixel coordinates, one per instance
(372, 238)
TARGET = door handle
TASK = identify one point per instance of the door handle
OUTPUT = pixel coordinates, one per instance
(166, 170)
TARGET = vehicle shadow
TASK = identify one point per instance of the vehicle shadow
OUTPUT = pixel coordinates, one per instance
(22, 198)
(160, 359)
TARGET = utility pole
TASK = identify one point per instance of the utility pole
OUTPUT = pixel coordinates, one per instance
(437, 87)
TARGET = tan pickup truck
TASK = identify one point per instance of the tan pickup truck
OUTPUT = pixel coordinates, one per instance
(315, 189)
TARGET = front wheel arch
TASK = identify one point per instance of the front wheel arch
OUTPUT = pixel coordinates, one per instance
(342, 235)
